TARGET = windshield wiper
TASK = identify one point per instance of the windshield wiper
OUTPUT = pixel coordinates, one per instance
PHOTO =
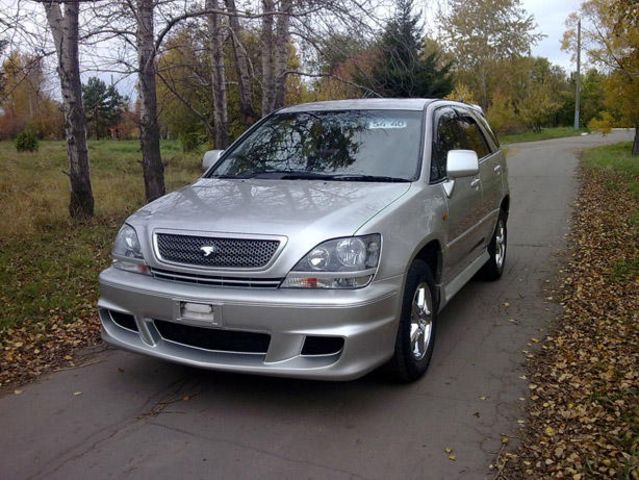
(342, 177)
(278, 175)
(302, 175)
(368, 178)
(238, 176)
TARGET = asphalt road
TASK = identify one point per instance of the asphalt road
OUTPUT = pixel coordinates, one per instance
(141, 418)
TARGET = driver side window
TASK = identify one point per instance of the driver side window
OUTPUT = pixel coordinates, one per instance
(448, 136)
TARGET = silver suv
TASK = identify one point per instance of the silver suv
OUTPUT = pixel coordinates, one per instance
(322, 244)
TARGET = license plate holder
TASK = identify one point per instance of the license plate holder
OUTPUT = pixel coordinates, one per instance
(199, 313)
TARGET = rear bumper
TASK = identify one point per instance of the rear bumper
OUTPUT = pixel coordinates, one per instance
(365, 318)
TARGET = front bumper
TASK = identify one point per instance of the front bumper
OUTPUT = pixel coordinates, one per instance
(365, 318)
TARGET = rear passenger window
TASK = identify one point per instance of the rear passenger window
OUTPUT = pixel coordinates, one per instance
(448, 136)
(474, 135)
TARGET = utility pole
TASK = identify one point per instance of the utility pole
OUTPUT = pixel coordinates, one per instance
(578, 87)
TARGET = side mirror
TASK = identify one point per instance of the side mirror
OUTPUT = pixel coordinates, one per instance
(210, 158)
(461, 163)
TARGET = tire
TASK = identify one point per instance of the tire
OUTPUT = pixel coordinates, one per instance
(497, 248)
(411, 358)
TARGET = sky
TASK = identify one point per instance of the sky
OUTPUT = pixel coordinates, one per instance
(550, 16)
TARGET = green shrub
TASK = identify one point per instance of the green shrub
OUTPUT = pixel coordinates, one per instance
(602, 123)
(502, 117)
(192, 140)
(27, 141)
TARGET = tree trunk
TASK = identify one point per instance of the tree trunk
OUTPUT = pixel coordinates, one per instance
(280, 57)
(218, 76)
(96, 119)
(268, 77)
(149, 129)
(483, 100)
(242, 65)
(635, 144)
(64, 29)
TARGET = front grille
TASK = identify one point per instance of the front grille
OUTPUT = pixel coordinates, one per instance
(214, 339)
(224, 252)
(215, 280)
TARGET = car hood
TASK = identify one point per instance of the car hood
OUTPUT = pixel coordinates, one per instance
(271, 207)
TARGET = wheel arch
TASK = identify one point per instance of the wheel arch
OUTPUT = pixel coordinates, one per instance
(505, 204)
(431, 254)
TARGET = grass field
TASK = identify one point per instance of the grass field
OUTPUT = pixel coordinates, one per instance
(618, 160)
(545, 134)
(623, 176)
(49, 264)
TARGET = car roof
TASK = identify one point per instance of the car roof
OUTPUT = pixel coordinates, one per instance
(362, 104)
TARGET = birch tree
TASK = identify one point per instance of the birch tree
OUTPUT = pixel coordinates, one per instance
(280, 53)
(242, 65)
(268, 72)
(152, 166)
(63, 24)
(218, 75)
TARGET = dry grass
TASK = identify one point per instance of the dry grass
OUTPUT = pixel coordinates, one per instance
(34, 188)
(48, 263)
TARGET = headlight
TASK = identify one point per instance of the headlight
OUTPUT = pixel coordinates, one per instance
(348, 262)
(127, 253)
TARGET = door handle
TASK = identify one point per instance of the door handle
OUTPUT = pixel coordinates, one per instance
(497, 169)
(475, 183)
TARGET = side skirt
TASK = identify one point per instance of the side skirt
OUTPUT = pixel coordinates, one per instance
(455, 285)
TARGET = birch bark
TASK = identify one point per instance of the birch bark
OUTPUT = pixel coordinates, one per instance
(64, 28)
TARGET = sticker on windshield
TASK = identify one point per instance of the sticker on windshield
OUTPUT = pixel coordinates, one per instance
(386, 123)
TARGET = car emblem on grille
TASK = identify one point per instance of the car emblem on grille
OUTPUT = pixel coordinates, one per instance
(208, 250)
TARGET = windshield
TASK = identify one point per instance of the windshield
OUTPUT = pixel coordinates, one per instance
(368, 145)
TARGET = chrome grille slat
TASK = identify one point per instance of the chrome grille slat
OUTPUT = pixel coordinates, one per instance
(216, 281)
(227, 252)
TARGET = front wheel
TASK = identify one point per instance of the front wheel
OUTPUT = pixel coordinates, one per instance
(494, 267)
(417, 326)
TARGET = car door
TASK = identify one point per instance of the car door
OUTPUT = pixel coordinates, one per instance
(495, 171)
(464, 201)
(489, 172)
